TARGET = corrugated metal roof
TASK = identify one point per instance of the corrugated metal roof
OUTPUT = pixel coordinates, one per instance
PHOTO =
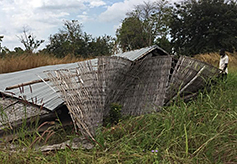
(138, 54)
(41, 91)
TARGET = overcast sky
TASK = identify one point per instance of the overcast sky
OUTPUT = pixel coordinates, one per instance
(45, 17)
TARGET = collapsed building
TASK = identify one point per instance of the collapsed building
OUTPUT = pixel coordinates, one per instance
(142, 81)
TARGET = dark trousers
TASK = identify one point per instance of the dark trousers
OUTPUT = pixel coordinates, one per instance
(223, 76)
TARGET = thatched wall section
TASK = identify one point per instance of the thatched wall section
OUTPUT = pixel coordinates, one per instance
(144, 86)
(82, 92)
(139, 87)
(188, 77)
(113, 72)
(14, 111)
(88, 91)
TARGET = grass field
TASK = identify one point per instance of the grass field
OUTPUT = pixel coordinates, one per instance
(203, 130)
(213, 59)
(24, 61)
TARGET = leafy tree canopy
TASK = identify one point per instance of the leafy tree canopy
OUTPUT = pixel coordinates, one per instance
(72, 40)
(200, 26)
(144, 25)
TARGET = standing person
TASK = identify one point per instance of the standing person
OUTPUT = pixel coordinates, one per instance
(223, 65)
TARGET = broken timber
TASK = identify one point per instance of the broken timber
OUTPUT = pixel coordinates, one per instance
(27, 83)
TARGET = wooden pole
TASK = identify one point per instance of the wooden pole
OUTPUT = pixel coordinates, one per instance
(27, 83)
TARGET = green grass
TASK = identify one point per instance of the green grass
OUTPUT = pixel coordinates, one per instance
(200, 131)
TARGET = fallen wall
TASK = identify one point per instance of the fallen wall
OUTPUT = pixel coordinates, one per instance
(15, 112)
(141, 87)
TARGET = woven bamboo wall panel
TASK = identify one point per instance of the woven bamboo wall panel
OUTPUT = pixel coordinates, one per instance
(141, 87)
(114, 70)
(185, 71)
(83, 95)
(145, 86)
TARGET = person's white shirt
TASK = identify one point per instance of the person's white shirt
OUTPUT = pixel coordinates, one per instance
(224, 60)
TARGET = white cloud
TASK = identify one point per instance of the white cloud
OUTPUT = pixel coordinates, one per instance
(72, 4)
(62, 5)
(36, 3)
(115, 27)
(83, 18)
(97, 3)
(45, 17)
(117, 11)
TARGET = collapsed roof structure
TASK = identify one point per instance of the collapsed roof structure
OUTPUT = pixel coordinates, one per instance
(141, 81)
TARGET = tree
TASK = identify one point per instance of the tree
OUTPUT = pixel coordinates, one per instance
(101, 45)
(144, 25)
(130, 36)
(29, 41)
(72, 40)
(204, 26)
(164, 43)
(68, 40)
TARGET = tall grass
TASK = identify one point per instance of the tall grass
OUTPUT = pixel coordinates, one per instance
(201, 131)
(214, 58)
(16, 62)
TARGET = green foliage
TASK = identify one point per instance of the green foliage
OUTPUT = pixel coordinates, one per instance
(102, 45)
(130, 35)
(115, 113)
(164, 43)
(144, 25)
(72, 40)
(204, 26)
(67, 40)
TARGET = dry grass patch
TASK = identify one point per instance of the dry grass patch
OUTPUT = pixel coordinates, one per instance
(13, 63)
(213, 59)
